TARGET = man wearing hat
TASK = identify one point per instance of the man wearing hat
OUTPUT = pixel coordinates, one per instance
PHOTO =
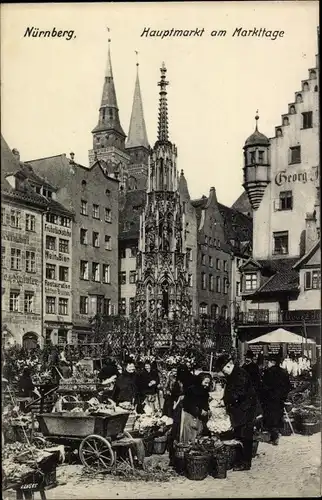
(252, 369)
(241, 403)
(275, 388)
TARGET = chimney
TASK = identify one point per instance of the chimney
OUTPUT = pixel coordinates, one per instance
(72, 156)
(311, 235)
(16, 154)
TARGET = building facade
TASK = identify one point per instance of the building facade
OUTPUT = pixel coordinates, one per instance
(281, 282)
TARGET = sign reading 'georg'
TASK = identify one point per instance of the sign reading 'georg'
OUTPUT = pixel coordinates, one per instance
(304, 177)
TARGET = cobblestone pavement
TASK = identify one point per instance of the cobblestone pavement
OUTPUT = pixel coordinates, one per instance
(291, 469)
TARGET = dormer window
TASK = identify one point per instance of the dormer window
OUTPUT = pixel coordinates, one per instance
(250, 282)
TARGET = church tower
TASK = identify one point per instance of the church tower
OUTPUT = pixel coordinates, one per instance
(162, 260)
(137, 144)
(108, 135)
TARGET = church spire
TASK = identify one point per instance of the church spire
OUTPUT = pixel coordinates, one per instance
(109, 113)
(163, 133)
(137, 131)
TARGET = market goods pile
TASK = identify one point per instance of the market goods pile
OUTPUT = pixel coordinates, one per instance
(150, 423)
(20, 460)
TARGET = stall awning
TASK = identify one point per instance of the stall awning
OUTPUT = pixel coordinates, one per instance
(281, 336)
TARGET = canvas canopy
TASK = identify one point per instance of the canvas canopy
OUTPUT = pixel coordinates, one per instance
(281, 336)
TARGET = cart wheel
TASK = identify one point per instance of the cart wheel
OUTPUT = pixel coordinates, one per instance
(96, 452)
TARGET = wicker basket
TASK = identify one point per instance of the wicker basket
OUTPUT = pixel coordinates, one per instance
(221, 464)
(180, 457)
(197, 466)
(148, 445)
(160, 445)
(310, 428)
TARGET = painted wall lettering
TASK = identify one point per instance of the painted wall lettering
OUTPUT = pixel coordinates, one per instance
(283, 177)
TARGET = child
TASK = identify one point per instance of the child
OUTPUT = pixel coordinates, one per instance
(219, 421)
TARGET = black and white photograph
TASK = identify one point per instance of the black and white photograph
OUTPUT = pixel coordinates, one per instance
(160, 250)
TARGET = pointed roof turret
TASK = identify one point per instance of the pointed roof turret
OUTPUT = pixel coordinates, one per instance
(257, 138)
(163, 132)
(109, 112)
(137, 131)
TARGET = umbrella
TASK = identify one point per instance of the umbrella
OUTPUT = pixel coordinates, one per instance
(281, 336)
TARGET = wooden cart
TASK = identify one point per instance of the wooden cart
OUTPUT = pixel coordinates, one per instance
(97, 437)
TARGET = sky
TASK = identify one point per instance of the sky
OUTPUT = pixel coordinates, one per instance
(51, 87)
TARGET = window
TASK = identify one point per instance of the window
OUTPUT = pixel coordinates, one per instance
(189, 254)
(203, 259)
(108, 243)
(106, 273)
(253, 157)
(15, 259)
(30, 222)
(122, 253)
(107, 307)
(226, 284)
(50, 271)
(15, 218)
(224, 312)
(63, 273)
(250, 282)
(83, 304)
(225, 266)
(46, 193)
(95, 271)
(52, 218)
(122, 306)
(84, 183)
(260, 156)
(132, 277)
(211, 283)
(286, 200)
(214, 311)
(190, 280)
(63, 306)
(96, 242)
(203, 308)
(50, 305)
(237, 288)
(29, 302)
(63, 245)
(84, 207)
(307, 119)
(295, 154)
(50, 243)
(133, 251)
(312, 280)
(96, 211)
(211, 264)
(3, 216)
(30, 262)
(203, 281)
(122, 278)
(108, 215)
(83, 236)
(218, 264)
(14, 301)
(3, 257)
(218, 284)
(84, 269)
(65, 221)
(132, 305)
(280, 243)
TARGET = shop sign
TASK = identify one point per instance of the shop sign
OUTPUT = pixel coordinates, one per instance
(55, 230)
(20, 279)
(53, 256)
(283, 177)
(58, 288)
(16, 238)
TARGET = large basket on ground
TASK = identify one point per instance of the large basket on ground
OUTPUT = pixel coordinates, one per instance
(160, 444)
(179, 461)
(197, 466)
(81, 425)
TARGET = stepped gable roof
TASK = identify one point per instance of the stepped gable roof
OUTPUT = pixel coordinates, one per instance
(129, 217)
(238, 226)
(284, 278)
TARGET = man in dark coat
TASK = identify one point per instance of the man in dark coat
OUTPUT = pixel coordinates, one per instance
(241, 403)
(126, 389)
(252, 369)
(275, 388)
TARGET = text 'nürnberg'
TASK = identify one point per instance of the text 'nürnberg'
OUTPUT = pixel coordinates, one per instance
(199, 32)
(33, 32)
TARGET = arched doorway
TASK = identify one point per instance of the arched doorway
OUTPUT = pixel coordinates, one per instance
(30, 340)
